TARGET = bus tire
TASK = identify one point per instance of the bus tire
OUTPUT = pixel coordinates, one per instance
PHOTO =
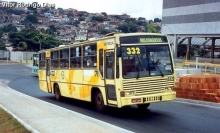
(57, 92)
(99, 101)
(143, 106)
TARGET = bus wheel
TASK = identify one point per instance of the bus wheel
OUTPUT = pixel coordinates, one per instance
(57, 92)
(99, 102)
(143, 106)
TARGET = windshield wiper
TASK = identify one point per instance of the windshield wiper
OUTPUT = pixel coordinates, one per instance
(139, 62)
(159, 70)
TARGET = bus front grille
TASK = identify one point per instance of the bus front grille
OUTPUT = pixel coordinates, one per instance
(143, 87)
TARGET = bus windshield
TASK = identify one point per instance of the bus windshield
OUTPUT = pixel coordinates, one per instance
(145, 61)
(35, 60)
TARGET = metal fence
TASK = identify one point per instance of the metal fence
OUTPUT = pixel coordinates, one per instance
(200, 60)
(4, 54)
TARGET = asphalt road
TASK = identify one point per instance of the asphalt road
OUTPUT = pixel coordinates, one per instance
(167, 117)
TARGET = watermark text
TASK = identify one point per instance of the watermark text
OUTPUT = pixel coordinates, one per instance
(26, 5)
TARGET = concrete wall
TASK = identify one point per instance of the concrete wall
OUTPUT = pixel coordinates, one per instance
(191, 17)
(4, 54)
(18, 55)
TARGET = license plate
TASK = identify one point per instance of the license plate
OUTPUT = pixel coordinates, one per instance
(157, 98)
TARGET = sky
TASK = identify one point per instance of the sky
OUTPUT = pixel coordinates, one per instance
(148, 9)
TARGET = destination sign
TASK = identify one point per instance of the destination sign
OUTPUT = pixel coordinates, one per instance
(143, 39)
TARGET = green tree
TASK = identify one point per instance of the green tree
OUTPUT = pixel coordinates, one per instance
(23, 45)
(103, 31)
(81, 14)
(151, 21)
(49, 32)
(117, 17)
(130, 20)
(45, 10)
(25, 35)
(123, 28)
(61, 11)
(132, 27)
(128, 28)
(2, 45)
(32, 19)
(141, 19)
(75, 23)
(16, 12)
(48, 41)
(9, 28)
(153, 28)
(1, 32)
(53, 28)
(31, 39)
(42, 30)
(81, 19)
(98, 18)
(70, 14)
(157, 20)
(141, 23)
(104, 13)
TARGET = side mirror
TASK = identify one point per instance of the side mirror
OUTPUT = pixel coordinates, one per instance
(118, 52)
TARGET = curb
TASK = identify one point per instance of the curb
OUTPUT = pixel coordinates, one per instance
(28, 127)
(198, 102)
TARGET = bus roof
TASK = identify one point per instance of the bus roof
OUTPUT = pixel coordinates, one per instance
(107, 36)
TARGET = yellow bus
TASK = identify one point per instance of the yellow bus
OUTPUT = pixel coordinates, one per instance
(117, 70)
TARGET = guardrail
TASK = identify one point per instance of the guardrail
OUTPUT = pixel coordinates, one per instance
(206, 67)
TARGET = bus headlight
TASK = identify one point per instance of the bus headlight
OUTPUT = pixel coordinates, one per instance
(168, 88)
(131, 93)
(127, 93)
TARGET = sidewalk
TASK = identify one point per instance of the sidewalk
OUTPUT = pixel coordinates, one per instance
(42, 117)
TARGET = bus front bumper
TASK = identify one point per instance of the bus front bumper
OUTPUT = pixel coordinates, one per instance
(160, 97)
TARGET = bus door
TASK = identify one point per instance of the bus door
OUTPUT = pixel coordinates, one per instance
(48, 75)
(109, 77)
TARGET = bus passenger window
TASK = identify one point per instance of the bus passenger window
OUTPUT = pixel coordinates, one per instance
(64, 58)
(75, 57)
(54, 59)
(78, 64)
(90, 56)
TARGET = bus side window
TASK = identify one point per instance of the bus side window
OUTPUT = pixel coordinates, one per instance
(117, 67)
(42, 60)
(64, 58)
(101, 61)
(90, 55)
(75, 57)
(109, 61)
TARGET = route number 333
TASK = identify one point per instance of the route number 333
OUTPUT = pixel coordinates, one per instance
(133, 50)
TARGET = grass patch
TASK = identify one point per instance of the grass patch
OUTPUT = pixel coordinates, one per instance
(10, 125)
(27, 61)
